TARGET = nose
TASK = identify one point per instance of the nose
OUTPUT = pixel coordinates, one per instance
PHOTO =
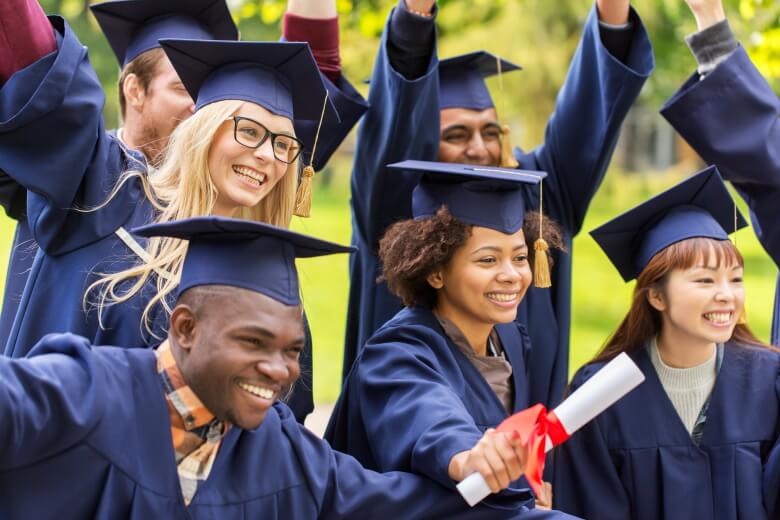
(275, 368)
(265, 152)
(724, 293)
(508, 273)
(476, 149)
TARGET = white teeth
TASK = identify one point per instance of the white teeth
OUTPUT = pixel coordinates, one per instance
(719, 318)
(259, 391)
(259, 178)
(502, 297)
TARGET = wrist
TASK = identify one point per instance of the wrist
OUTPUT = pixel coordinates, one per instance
(708, 17)
(422, 8)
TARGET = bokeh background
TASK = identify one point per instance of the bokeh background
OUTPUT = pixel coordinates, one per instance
(541, 36)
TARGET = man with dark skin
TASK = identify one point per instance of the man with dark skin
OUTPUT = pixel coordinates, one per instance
(210, 392)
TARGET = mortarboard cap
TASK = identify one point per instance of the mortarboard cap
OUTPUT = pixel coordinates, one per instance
(242, 253)
(483, 196)
(135, 26)
(279, 76)
(462, 80)
(700, 206)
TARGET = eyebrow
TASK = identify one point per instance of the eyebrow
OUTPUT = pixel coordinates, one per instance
(455, 127)
(716, 268)
(498, 249)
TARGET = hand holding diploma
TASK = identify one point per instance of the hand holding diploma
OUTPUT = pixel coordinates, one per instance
(539, 431)
(499, 458)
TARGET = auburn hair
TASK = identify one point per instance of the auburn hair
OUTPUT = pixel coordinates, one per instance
(643, 321)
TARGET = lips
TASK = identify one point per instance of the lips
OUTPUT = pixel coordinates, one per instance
(504, 299)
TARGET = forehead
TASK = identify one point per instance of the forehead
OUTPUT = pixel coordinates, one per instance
(164, 71)
(238, 307)
(467, 117)
(484, 236)
(265, 117)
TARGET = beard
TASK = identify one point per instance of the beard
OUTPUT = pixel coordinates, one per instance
(153, 143)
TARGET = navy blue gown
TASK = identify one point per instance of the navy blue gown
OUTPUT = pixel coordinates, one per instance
(413, 399)
(731, 119)
(85, 434)
(403, 123)
(636, 461)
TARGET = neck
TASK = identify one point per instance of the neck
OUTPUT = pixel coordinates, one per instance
(222, 210)
(476, 333)
(136, 138)
(679, 350)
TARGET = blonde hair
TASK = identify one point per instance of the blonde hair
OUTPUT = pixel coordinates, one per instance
(182, 188)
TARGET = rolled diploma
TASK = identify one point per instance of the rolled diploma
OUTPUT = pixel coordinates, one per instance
(602, 390)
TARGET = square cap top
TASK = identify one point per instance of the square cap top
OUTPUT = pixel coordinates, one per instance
(279, 76)
(484, 196)
(462, 80)
(133, 27)
(700, 206)
(242, 253)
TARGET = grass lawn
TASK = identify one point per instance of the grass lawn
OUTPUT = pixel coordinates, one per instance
(600, 298)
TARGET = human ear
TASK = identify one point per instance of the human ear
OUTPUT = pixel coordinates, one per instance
(655, 297)
(133, 91)
(435, 280)
(182, 327)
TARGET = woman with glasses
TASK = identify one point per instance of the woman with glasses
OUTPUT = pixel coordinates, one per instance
(238, 155)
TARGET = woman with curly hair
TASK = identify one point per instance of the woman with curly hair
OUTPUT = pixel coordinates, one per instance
(429, 386)
(697, 438)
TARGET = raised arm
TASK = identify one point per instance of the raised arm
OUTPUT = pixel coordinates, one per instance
(605, 76)
(402, 122)
(25, 36)
(49, 401)
(316, 22)
(729, 114)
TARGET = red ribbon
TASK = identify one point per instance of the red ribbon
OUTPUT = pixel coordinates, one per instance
(534, 425)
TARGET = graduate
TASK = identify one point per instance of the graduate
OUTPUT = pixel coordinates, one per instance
(425, 109)
(698, 438)
(428, 387)
(154, 100)
(729, 114)
(193, 429)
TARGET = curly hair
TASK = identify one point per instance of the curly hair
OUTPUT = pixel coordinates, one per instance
(412, 249)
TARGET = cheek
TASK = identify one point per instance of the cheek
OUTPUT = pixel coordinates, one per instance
(448, 152)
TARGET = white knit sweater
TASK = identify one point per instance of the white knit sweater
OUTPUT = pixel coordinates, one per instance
(687, 388)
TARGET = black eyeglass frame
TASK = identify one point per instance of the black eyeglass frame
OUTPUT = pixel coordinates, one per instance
(268, 133)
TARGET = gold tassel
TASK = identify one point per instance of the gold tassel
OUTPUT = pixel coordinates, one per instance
(507, 155)
(303, 193)
(541, 264)
(542, 277)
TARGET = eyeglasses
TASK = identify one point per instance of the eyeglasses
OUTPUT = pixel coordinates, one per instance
(250, 133)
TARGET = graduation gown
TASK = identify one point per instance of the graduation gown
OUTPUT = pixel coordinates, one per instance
(413, 399)
(76, 165)
(403, 123)
(637, 461)
(731, 119)
(101, 416)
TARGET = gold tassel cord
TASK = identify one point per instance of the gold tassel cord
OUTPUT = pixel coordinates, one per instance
(742, 320)
(303, 194)
(541, 262)
(507, 156)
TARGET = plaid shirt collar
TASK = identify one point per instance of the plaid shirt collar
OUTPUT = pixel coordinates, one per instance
(196, 432)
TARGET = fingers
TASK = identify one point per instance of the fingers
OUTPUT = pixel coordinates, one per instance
(544, 499)
(497, 459)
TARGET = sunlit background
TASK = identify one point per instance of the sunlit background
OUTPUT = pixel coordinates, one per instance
(541, 36)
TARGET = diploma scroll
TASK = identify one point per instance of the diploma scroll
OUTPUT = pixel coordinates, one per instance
(546, 430)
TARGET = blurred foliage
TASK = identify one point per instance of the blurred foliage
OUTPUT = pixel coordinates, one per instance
(538, 34)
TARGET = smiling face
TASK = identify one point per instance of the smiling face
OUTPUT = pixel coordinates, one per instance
(484, 281)
(470, 137)
(244, 176)
(700, 305)
(237, 349)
